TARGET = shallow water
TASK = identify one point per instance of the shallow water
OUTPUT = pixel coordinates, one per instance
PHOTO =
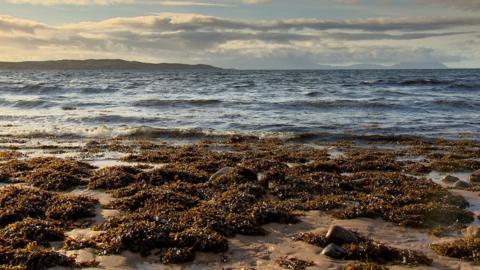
(441, 103)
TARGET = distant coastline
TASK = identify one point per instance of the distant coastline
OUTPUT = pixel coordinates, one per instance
(100, 64)
(120, 64)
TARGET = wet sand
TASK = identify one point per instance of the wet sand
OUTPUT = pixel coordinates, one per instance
(250, 252)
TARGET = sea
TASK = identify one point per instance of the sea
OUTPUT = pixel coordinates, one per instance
(429, 103)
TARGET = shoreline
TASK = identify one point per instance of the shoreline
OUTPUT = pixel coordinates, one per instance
(350, 169)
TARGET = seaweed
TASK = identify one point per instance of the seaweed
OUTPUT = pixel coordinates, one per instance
(17, 203)
(367, 250)
(33, 258)
(48, 173)
(113, 177)
(294, 263)
(209, 191)
(22, 233)
(364, 266)
(467, 248)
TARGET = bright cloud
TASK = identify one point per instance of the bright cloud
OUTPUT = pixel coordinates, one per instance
(175, 37)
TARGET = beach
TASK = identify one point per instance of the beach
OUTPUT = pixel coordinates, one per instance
(238, 202)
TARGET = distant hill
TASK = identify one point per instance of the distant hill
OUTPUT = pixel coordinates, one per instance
(99, 64)
(404, 65)
(419, 65)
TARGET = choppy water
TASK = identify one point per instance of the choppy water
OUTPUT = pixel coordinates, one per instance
(442, 103)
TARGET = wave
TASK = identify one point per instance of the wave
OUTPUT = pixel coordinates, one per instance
(175, 102)
(154, 133)
(96, 90)
(336, 104)
(117, 119)
(463, 104)
(425, 82)
(409, 82)
(28, 104)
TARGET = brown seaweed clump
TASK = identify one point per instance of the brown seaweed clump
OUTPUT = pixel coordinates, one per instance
(48, 173)
(9, 154)
(33, 258)
(467, 248)
(17, 203)
(25, 245)
(30, 219)
(116, 177)
(294, 263)
(22, 233)
(404, 200)
(363, 249)
(364, 266)
(181, 218)
(113, 177)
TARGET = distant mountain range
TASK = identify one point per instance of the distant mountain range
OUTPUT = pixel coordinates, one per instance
(118, 64)
(99, 64)
(404, 65)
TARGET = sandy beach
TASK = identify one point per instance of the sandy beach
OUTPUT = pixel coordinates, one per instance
(238, 202)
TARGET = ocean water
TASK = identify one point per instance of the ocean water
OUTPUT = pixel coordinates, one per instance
(434, 103)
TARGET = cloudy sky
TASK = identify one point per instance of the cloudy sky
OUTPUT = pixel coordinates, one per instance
(244, 33)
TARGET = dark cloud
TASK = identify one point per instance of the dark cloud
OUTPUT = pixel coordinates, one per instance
(383, 36)
(469, 5)
(165, 22)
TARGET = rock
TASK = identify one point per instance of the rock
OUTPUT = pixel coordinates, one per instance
(450, 179)
(339, 235)
(472, 232)
(221, 172)
(334, 251)
(461, 184)
(475, 177)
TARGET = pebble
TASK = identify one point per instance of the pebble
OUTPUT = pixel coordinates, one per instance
(450, 179)
(339, 235)
(334, 251)
(461, 184)
(472, 232)
(475, 177)
(221, 172)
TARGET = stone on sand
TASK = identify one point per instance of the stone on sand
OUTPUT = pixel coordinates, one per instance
(461, 184)
(475, 177)
(221, 172)
(472, 232)
(450, 179)
(339, 235)
(334, 251)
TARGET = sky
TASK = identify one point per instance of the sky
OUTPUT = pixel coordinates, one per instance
(251, 34)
